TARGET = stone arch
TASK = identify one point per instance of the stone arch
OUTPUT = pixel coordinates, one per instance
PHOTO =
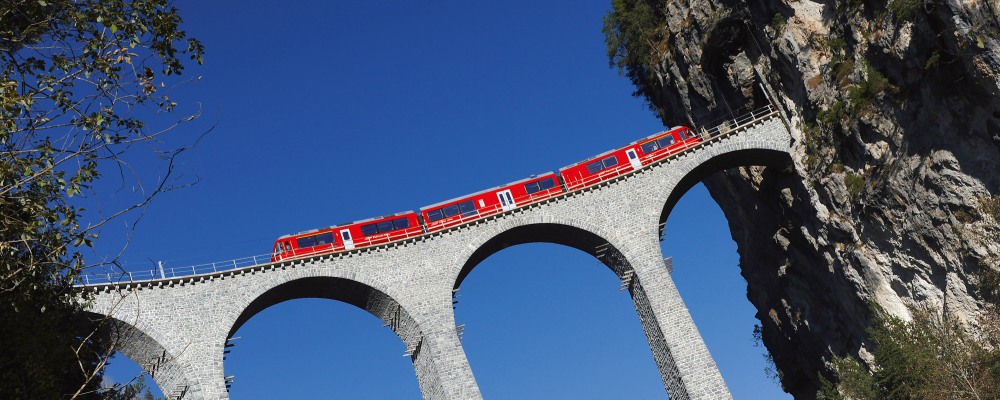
(140, 347)
(355, 293)
(716, 163)
(537, 229)
(621, 257)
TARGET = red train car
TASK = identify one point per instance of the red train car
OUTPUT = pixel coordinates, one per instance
(634, 156)
(491, 201)
(357, 234)
(600, 167)
(663, 144)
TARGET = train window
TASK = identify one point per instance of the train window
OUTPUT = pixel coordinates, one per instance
(547, 184)
(450, 211)
(401, 223)
(594, 167)
(324, 238)
(434, 215)
(532, 187)
(384, 226)
(610, 162)
(649, 147)
(468, 208)
(681, 132)
(308, 241)
(369, 229)
(666, 141)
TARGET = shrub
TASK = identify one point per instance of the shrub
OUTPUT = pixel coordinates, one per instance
(989, 281)
(930, 357)
(832, 114)
(990, 205)
(864, 95)
(778, 22)
(842, 71)
(905, 10)
(855, 183)
(933, 60)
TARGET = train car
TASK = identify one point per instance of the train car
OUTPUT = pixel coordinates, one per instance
(368, 232)
(632, 157)
(600, 167)
(491, 201)
(659, 146)
(302, 244)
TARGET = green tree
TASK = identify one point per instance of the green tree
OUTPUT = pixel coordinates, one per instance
(79, 79)
(929, 357)
(635, 38)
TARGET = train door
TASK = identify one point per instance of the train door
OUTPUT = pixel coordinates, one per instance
(506, 201)
(633, 159)
(348, 242)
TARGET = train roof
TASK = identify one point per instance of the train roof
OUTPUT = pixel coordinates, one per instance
(657, 134)
(619, 148)
(542, 175)
(401, 213)
(590, 159)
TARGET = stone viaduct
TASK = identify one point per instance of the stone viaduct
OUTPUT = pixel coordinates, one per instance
(177, 328)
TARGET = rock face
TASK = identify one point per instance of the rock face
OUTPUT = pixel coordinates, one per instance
(895, 110)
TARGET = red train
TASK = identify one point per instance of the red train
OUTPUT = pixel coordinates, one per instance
(488, 202)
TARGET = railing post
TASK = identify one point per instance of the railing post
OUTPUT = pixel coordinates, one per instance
(86, 279)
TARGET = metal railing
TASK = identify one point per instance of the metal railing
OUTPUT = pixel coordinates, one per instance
(726, 126)
(172, 272)
(722, 129)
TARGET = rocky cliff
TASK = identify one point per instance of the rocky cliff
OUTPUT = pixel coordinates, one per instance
(895, 113)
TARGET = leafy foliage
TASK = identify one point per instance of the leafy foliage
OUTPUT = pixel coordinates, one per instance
(779, 22)
(906, 10)
(633, 33)
(832, 115)
(864, 95)
(855, 183)
(990, 205)
(77, 79)
(930, 357)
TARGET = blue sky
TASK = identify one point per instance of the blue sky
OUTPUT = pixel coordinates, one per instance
(326, 112)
